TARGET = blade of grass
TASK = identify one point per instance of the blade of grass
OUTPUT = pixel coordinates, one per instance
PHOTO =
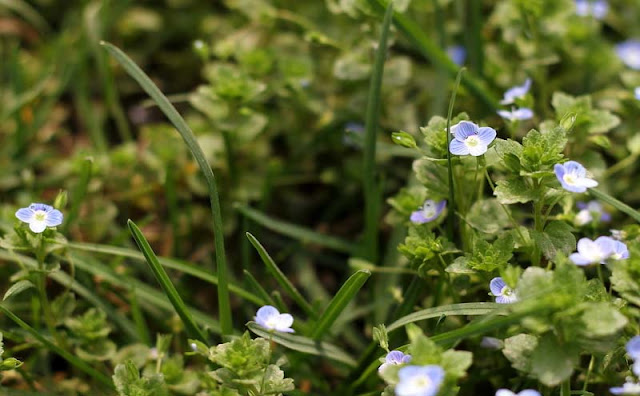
(370, 184)
(189, 138)
(303, 344)
(138, 318)
(296, 232)
(79, 192)
(339, 302)
(75, 361)
(181, 266)
(467, 309)
(452, 197)
(434, 54)
(281, 278)
(621, 206)
(251, 280)
(191, 327)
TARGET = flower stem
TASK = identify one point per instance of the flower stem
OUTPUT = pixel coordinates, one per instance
(41, 279)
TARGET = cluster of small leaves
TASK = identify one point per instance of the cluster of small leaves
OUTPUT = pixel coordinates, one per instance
(7, 363)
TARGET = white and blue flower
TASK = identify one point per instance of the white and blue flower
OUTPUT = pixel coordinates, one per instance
(40, 216)
(589, 211)
(457, 53)
(271, 319)
(573, 177)
(471, 139)
(394, 358)
(628, 388)
(629, 53)
(526, 392)
(503, 293)
(636, 92)
(419, 380)
(594, 252)
(517, 92)
(521, 114)
(595, 8)
(428, 212)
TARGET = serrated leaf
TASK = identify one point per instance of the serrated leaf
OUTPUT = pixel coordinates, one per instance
(514, 190)
(602, 319)
(552, 362)
(487, 209)
(18, 288)
(556, 238)
(518, 350)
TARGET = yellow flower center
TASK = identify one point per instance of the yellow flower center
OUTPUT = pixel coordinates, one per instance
(40, 215)
(472, 141)
(569, 179)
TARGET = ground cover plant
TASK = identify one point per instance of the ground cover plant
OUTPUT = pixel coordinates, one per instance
(350, 197)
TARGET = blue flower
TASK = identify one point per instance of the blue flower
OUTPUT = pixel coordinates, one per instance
(271, 319)
(394, 358)
(517, 92)
(620, 251)
(573, 177)
(470, 139)
(522, 113)
(419, 380)
(629, 53)
(633, 347)
(503, 293)
(429, 211)
(40, 216)
(457, 53)
(526, 392)
(629, 388)
(594, 252)
(598, 8)
(589, 211)
(636, 93)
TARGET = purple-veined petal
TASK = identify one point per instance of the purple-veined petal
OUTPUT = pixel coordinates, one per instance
(464, 129)
(37, 226)
(54, 218)
(579, 259)
(418, 217)
(486, 135)
(458, 148)
(496, 285)
(25, 214)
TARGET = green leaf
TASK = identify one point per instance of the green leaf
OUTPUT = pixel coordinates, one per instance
(339, 302)
(282, 279)
(552, 362)
(484, 209)
(224, 307)
(514, 190)
(542, 150)
(466, 309)
(18, 288)
(403, 139)
(490, 257)
(304, 345)
(369, 248)
(602, 319)
(518, 350)
(163, 279)
(456, 363)
(433, 176)
(128, 382)
(556, 238)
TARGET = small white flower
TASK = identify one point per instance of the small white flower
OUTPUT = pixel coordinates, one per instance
(271, 319)
(593, 252)
(573, 177)
(471, 139)
(629, 388)
(526, 392)
(40, 216)
(419, 380)
(520, 114)
(517, 92)
(394, 358)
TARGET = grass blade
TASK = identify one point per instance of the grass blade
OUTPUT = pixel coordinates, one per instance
(621, 206)
(75, 361)
(189, 138)
(181, 266)
(369, 179)
(452, 197)
(303, 344)
(253, 282)
(79, 192)
(436, 55)
(161, 275)
(282, 279)
(296, 232)
(339, 302)
(467, 309)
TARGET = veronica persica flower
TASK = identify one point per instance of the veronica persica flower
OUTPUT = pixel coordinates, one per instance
(593, 252)
(596, 8)
(633, 348)
(457, 53)
(471, 139)
(589, 211)
(419, 380)
(40, 216)
(503, 293)
(526, 392)
(620, 251)
(517, 92)
(628, 388)
(629, 53)
(636, 93)
(271, 319)
(429, 211)
(573, 177)
(520, 114)
(394, 358)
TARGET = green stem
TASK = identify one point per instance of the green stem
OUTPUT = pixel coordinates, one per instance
(451, 216)
(537, 213)
(586, 377)
(41, 279)
(565, 390)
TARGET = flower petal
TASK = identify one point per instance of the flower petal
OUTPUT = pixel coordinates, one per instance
(579, 259)
(284, 322)
(496, 285)
(266, 312)
(464, 129)
(576, 168)
(458, 148)
(418, 217)
(37, 226)
(54, 218)
(25, 214)
(478, 150)
(586, 182)
(486, 135)
(504, 392)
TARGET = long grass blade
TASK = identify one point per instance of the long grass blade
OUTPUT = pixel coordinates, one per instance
(280, 277)
(304, 344)
(161, 275)
(431, 51)
(224, 307)
(621, 206)
(339, 302)
(467, 309)
(369, 177)
(79, 192)
(452, 196)
(178, 265)
(296, 232)
(75, 361)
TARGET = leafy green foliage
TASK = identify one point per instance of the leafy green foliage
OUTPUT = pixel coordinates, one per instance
(128, 382)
